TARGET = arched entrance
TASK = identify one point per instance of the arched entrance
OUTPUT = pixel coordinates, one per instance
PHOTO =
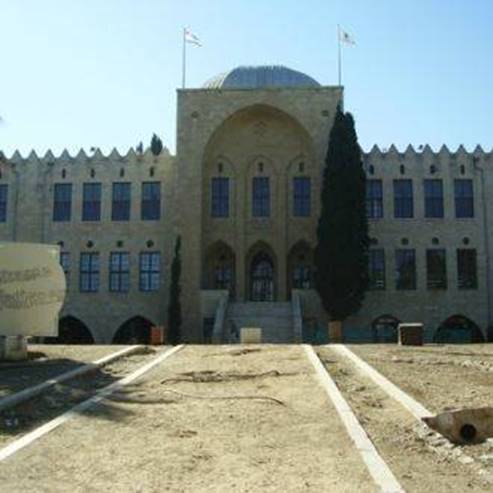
(136, 330)
(262, 279)
(384, 328)
(300, 267)
(71, 330)
(220, 268)
(458, 329)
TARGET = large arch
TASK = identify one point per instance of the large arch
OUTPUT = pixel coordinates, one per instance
(458, 329)
(384, 328)
(136, 330)
(219, 267)
(71, 330)
(261, 273)
(300, 266)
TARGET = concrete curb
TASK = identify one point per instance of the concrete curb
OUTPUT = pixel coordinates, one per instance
(75, 411)
(377, 467)
(30, 392)
(413, 406)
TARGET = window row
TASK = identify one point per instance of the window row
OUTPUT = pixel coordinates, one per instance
(436, 269)
(120, 202)
(118, 272)
(261, 196)
(433, 198)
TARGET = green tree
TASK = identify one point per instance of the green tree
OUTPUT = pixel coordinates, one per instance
(341, 254)
(174, 306)
(156, 145)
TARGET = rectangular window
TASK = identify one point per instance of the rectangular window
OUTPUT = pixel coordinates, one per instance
(403, 198)
(121, 202)
(301, 196)
(65, 263)
(3, 202)
(151, 201)
(467, 268)
(261, 196)
(405, 260)
(436, 269)
(150, 269)
(91, 202)
(376, 269)
(119, 272)
(62, 202)
(220, 197)
(89, 272)
(374, 199)
(433, 198)
(464, 198)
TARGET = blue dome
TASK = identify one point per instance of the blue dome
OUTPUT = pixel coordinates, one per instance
(260, 77)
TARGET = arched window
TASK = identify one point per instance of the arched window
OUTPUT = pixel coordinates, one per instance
(384, 328)
(458, 329)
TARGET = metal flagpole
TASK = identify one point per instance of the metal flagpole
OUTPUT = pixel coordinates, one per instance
(184, 59)
(339, 53)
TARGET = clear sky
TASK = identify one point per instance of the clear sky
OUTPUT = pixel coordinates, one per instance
(82, 73)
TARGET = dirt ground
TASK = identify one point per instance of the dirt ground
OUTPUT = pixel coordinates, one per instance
(20, 419)
(47, 361)
(440, 378)
(211, 418)
(412, 456)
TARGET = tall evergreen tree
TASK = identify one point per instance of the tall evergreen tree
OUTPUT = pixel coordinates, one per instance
(174, 305)
(341, 255)
(156, 145)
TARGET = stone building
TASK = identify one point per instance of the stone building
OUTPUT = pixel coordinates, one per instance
(243, 193)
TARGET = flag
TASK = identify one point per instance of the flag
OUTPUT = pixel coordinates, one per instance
(345, 37)
(191, 38)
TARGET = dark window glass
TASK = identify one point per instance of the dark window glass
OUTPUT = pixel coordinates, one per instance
(91, 202)
(464, 198)
(65, 263)
(3, 202)
(302, 196)
(403, 198)
(119, 272)
(376, 272)
(220, 197)
(467, 268)
(374, 199)
(261, 197)
(62, 202)
(89, 272)
(150, 269)
(433, 198)
(151, 201)
(121, 202)
(302, 276)
(405, 260)
(436, 269)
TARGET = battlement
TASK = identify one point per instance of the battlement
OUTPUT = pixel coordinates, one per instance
(426, 151)
(83, 157)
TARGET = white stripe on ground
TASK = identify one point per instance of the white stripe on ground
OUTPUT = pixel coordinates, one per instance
(413, 406)
(379, 470)
(37, 433)
(30, 392)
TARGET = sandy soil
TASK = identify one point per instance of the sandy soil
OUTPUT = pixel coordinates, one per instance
(192, 425)
(440, 378)
(412, 458)
(49, 361)
(16, 421)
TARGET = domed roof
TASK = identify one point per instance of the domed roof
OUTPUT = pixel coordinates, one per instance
(260, 77)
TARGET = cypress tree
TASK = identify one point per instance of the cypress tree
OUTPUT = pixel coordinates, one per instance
(156, 145)
(341, 254)
(174, 306)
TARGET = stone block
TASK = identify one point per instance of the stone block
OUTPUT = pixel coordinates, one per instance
(13, 348)
(250, 335)
(410, 334)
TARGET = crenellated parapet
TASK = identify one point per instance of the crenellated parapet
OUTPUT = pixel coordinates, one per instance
(425, 151)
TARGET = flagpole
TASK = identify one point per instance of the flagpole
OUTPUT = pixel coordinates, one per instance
(339, 57)
(184, 60)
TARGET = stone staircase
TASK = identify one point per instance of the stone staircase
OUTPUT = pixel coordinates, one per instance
(274, 318)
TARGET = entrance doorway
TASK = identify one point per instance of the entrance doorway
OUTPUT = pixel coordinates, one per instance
(262, 277)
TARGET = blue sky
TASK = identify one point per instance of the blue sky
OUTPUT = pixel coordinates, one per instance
(82, 73)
